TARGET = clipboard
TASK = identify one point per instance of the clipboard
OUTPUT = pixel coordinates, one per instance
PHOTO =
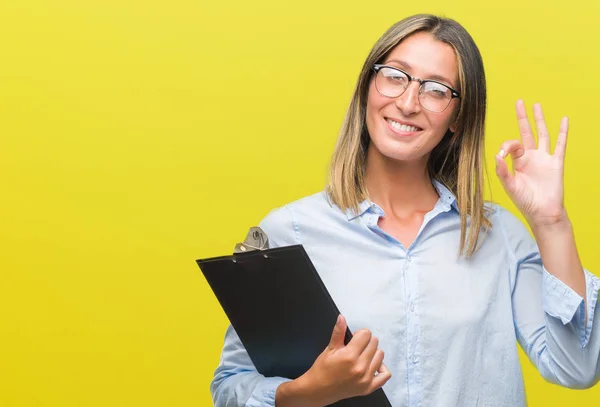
(279, 307)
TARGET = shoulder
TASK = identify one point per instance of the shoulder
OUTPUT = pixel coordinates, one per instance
(501, 217)
(513, 229)
(282, 225)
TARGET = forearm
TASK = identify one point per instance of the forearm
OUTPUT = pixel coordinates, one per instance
(236, 381)
(298, 393)
(556, 242)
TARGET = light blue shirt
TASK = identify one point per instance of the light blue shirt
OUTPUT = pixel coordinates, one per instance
(448, 326)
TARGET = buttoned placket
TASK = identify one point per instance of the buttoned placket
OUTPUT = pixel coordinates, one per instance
(410, 283)
(411, 291)
(413, 367)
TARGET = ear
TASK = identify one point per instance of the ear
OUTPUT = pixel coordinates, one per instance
(453, 127)
(454, 121)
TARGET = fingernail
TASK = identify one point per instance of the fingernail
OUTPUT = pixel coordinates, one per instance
(339, 320)
(501, 153)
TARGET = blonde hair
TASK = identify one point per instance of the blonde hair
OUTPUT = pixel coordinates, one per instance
(457, 161)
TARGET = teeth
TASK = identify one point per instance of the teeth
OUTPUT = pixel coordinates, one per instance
(402, 127)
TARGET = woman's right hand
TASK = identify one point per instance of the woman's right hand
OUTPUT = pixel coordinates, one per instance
(341, 371)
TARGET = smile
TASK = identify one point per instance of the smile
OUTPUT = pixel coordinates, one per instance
(404, 128)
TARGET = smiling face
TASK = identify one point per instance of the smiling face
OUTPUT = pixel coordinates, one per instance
(400, 128)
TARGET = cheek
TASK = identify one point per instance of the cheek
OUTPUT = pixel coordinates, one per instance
(372, 111)
(374, 100)
(375, 104)
(442, 123)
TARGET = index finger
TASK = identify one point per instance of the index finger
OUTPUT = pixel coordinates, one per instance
(383, 375)
(383, 369)
(359, 342)
(524, 127)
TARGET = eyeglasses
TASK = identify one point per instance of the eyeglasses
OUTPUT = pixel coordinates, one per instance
(392, 82)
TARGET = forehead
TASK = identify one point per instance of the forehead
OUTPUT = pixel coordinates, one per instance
(425, 57)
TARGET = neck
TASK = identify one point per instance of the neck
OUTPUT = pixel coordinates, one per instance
(402, 187)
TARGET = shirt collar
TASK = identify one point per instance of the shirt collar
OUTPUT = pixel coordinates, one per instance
(364, 206)
(446, 196)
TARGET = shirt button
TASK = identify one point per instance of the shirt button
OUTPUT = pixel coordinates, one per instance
(408, 258)
(412, 306)
(414, 359)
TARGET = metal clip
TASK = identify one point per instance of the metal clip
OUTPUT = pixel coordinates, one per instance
(255, 240)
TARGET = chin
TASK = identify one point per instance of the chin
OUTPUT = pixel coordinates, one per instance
(399, 148)
(397, 152)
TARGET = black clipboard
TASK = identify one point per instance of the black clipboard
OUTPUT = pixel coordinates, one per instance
(280, 309)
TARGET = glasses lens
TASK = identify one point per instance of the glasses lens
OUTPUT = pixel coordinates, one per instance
(435, 96)
(391, 82)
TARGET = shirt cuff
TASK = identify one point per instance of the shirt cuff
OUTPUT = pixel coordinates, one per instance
(264, 394)
(592, 284)
(562, 302)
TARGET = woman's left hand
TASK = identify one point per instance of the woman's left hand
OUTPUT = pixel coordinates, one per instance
(536, 187)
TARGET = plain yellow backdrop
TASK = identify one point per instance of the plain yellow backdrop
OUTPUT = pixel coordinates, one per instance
(138, 136)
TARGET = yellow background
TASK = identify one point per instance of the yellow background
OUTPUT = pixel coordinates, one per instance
(137, 136)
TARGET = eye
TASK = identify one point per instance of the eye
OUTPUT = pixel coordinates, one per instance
(393, 75)
(436, 90)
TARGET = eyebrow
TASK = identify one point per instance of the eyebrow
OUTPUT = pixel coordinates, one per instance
(407, 66)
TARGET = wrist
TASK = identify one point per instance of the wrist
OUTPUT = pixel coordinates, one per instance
(299, 393)
(542, 231)
(558, 221)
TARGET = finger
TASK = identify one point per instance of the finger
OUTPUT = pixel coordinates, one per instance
(542, 130)
(382, 377)
(359, 342)
(376, 362)
(561, 143)
(338, 334)
(506, 178)
(524, 127)
(512, 147)
(367, 356)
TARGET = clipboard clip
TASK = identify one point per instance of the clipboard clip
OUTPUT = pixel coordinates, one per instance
(255, 240)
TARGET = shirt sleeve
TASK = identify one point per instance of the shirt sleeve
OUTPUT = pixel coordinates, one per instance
(549, 317)
(236, 383)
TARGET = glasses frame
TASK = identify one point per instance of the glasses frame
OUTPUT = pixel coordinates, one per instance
(378, 67)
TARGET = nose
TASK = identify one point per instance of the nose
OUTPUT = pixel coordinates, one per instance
(408, 102)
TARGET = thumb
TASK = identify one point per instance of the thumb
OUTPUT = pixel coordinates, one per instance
(503, 173)
(338, 334)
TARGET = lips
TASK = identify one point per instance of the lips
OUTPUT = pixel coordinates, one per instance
(402, 127)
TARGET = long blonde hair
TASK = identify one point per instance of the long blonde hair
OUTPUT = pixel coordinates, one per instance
(457, 161)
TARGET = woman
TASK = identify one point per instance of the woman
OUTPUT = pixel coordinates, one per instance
(420, 266)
